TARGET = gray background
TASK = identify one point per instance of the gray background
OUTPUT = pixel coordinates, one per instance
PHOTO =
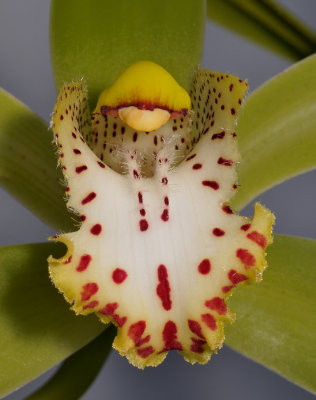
(25, 71)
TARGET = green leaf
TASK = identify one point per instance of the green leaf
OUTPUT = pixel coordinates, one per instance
(276, 320)
(78, 372)
(277, 131)
(28, 163)
(37, 328)
(266, 23)
(105, 37)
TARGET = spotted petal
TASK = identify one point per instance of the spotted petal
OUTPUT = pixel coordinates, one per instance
(159, 255)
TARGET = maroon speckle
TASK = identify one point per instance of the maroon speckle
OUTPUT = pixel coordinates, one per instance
(197, 166)
(89, 198)
(143, 225)
(142, 212)
(92, 304)
(83, 218)
(226, 289)
(163, 288)
(210, 321)
(119, 275)
(96, 229)
(164, 180)
(74, 135)
(145, 351)
(217, 304)
(224, 161)
(258, 238)
(84, 262)
(204, 267)
(245, 227)
(166, 200)
(218, 232)
(165, 215)
(88, 290)
(233, 111)
(211, 184)
(61, 155)
(227, 209)
(67, 189)
(169, 336)
(61, 117)
(155, 140)
(235, 277)
(101, 164)
(140, 198)
(197, 345)
(81, 169)
(218, 135)
(109, 309)
(231, 87)
(195, 327)
(76, 151)
(246, 258)
(135, 173)
(191, 157)
(135, 332)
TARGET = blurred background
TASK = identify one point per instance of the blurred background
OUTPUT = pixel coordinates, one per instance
(25, 71)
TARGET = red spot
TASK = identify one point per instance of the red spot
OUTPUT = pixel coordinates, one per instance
(217, 304)
(235, 277)
(212, 184)
(74, 135)
(119, 275)
(143, 225)
(135, 332)
(109, 310)
(218, 135)
(218, 232)
(227, 209)
(204, 267)
(258, 238)
(197, 345)
(142, 212)
(61, 117)
(234, 186)
(166, 201)
(88, 290)
(96, 229)
(231, 87)
(68, 260)
(92, 304)
(226, 289)
(81, 169)
(89, 198)
(210, 321)
(195, 327)
(246, 258)
(233, 111)
(145, 351)
(197, 166)
(224, 161)
(135, 173)
(163, 288)
(76, 151)
(190, 157)
(61, 155)
(169, 336)
(83, 218)
(140, 198)
(165, 215)
(164, 180)
(101, 164)
(84, 262)
(245, 227)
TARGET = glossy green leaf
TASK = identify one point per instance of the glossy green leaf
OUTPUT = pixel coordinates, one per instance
(276, 320)
(28, 166)
(105, 37)
(266, 23)
(78, 372)
(277, 131)
(37, 328)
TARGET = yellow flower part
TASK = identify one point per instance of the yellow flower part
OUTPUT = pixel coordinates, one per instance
(159, 249)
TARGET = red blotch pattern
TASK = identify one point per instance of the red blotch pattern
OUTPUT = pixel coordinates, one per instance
(218, 232)
(163, 288)
(169, 336)
(109, 310)
(258, 238)
(204, 266)
(211, 184)
(89, 198)
(210, 321)
(245, 227)
(197, 166)
(81, 169)
(88, 290)
(195, 327)
(217, 304)
(225, 162)
(145, 351)
(135, 332)
(235, 277)
(84, 262)
(119, 275)
(197, 345)
(165, 215)
(218, 135)
(246, 258)
(96, 229)
(227, 209)
(143, 225)
(92, 304)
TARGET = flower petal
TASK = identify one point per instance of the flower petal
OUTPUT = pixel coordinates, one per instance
(158, 256)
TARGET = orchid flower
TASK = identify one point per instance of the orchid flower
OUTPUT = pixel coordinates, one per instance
(159, 249)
